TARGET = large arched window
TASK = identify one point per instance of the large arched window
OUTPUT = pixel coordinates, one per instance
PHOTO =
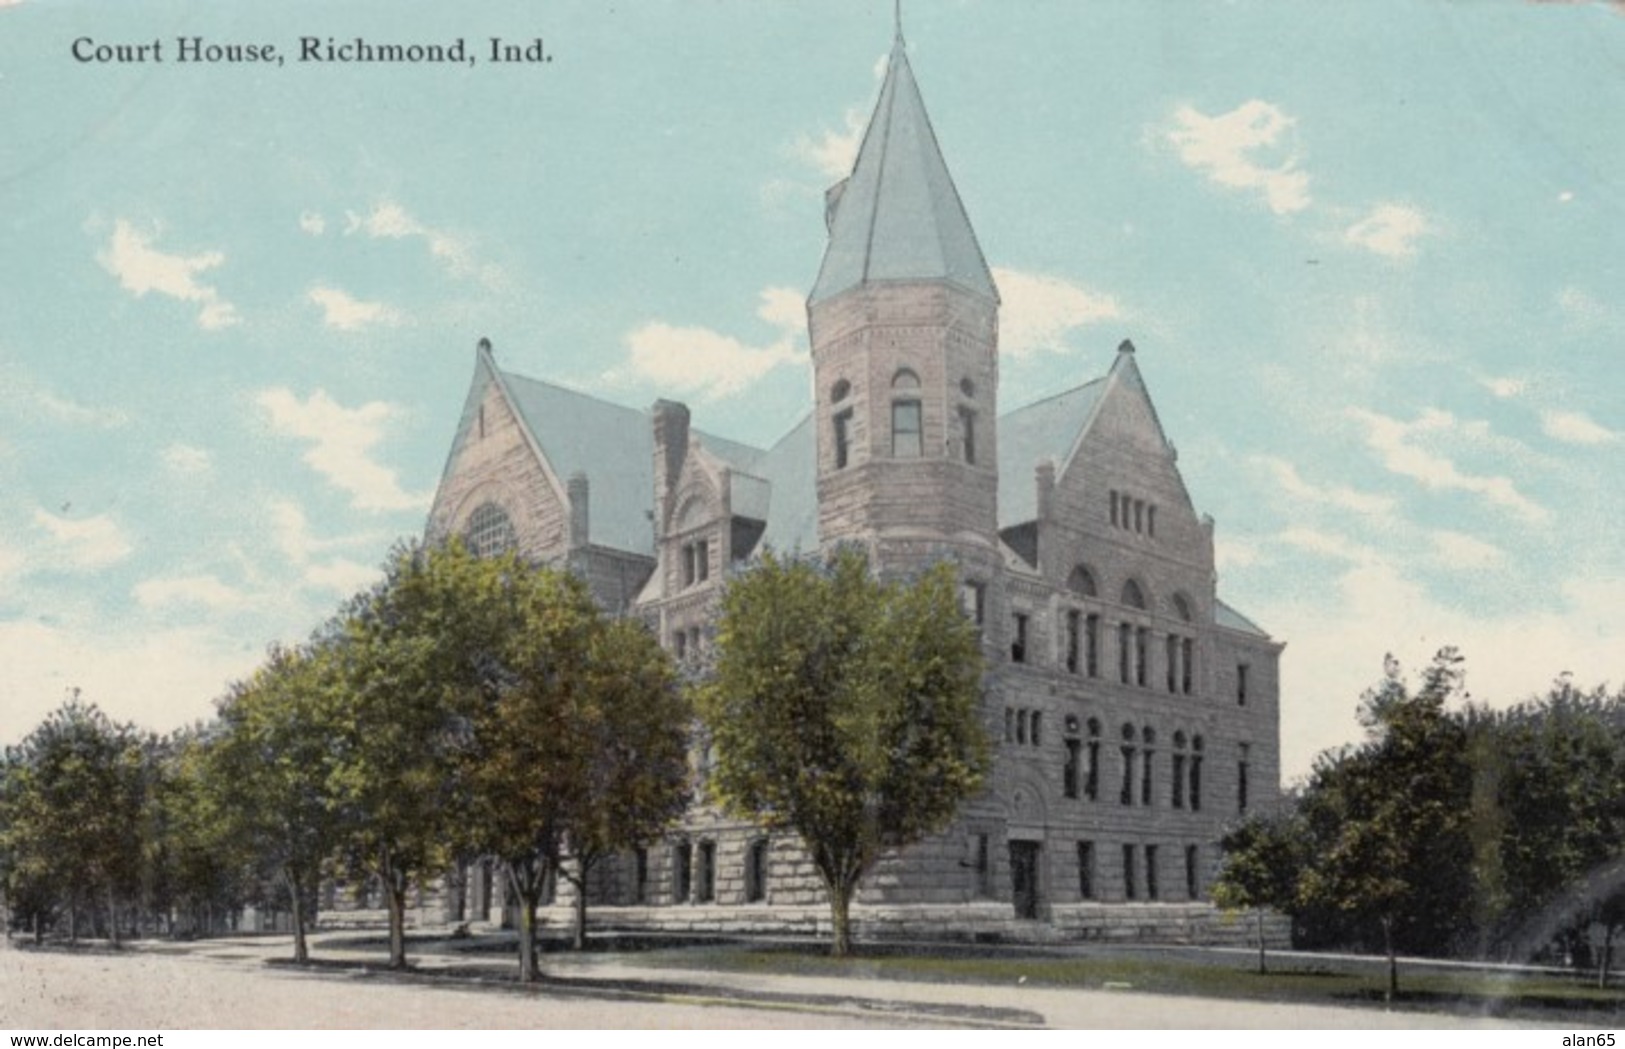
(1133, 596)
(1081, 582)
(490, 532)
(907, 422)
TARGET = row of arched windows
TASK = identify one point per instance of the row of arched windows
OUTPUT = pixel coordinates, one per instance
(1081, 773)
(907, 420)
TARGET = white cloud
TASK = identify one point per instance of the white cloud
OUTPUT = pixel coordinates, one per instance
(160, 679)
(832, 153)
(1505, 387)
(1039, 311)
(1235, 553)
(341, 445)
(205, 591)
(346, 313)
(1459, 550)
(707, 364)
(1565, 197)
(1231, 148)
(389, 221)
(312, 223)
(1393, 441)
(702, 362)
(1576, 428)
(1327, 544)
(342, 576)
(84, 546)
(784, 308)
(1336, 639)
(186, 460)
(24, 397)
(1391, 230)
(141, 268)
(1286, 476)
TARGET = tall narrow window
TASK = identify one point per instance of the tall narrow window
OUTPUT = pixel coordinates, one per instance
(973, 600)
(1241, 780)
(679, 644)
(1142, 653)
(756, 871)
(1150, 872)
(1139, 515)
(907, 436)
(682, 858)
(1086, 870)
(708, 872)
(1187, 663)
(1178, 782)
(1021, 726)
(1127, 796)
(1147, 761)
(1069, 771)
(1018, 637)
(702, 560)
(1091, 779)
(640, 875)
(690, 565)
(1171, 657)
(1125, 654)
(1129, 891)
(1038, 728)
(1074, 627)
(1196, 775)
(967, 434)
(1241, 684)
(1091, 645)
(1193, 877)
(843, 438)
(984, 867)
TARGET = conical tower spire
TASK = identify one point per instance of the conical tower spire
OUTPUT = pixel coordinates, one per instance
(898, 217)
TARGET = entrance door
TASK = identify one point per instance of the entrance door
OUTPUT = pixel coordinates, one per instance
(1024, 877)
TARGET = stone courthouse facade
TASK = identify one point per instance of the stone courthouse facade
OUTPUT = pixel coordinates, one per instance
(1133, 713)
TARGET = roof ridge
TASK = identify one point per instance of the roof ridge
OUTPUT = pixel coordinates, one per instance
(1055, 396)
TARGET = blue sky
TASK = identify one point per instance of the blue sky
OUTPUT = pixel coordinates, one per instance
(1370, 254)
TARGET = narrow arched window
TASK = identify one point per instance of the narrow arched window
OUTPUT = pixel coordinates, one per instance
(905, 379)
(1133, 596)
(907, 430)
(490, 532)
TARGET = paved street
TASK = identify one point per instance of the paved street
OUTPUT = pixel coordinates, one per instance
(226, 983)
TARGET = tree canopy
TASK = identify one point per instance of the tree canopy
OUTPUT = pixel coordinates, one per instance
(845, 707)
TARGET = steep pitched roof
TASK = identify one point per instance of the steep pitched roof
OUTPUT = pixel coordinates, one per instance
(1046, 429)
(898, 216)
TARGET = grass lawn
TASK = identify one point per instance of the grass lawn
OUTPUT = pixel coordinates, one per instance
(1356, 982)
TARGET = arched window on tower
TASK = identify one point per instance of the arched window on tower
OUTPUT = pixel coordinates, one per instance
(907, 424)
(490, 532)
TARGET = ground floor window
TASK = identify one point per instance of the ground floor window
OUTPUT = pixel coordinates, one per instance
(1086, 870)
(1150, 872)
(756, 871)
(1193, 880)
(708, 872)
(1129, 889)
(682, 859)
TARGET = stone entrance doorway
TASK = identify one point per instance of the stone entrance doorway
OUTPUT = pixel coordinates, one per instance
(1024, 877)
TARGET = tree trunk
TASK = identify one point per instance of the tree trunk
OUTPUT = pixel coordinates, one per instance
(301, 952)
(1263, 965)
(1607, 954)
(578, 939)
(112, 917)
(840, 914)
(395, 898)
(73, 922)
(1393, 960)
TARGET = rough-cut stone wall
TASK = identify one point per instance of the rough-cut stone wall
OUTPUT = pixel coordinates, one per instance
(497, 464)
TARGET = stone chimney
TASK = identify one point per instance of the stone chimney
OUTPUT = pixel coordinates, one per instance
(576, 488)
(671, 448)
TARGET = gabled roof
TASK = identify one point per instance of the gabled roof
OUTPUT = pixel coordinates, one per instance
(1046, 429)
(1229, 618)
(898, 216)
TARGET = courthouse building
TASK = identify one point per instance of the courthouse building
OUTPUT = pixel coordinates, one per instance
(1133, 713)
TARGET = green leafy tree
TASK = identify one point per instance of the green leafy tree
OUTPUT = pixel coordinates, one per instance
(1389, 819)
(414, 656)
(1264, 860)
(845, 707)
(269, 782)
(580, 748)
(73, 813)
(637, 773)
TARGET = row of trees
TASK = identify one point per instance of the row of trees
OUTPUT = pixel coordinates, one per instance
(482, 707)
(1453, 829)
